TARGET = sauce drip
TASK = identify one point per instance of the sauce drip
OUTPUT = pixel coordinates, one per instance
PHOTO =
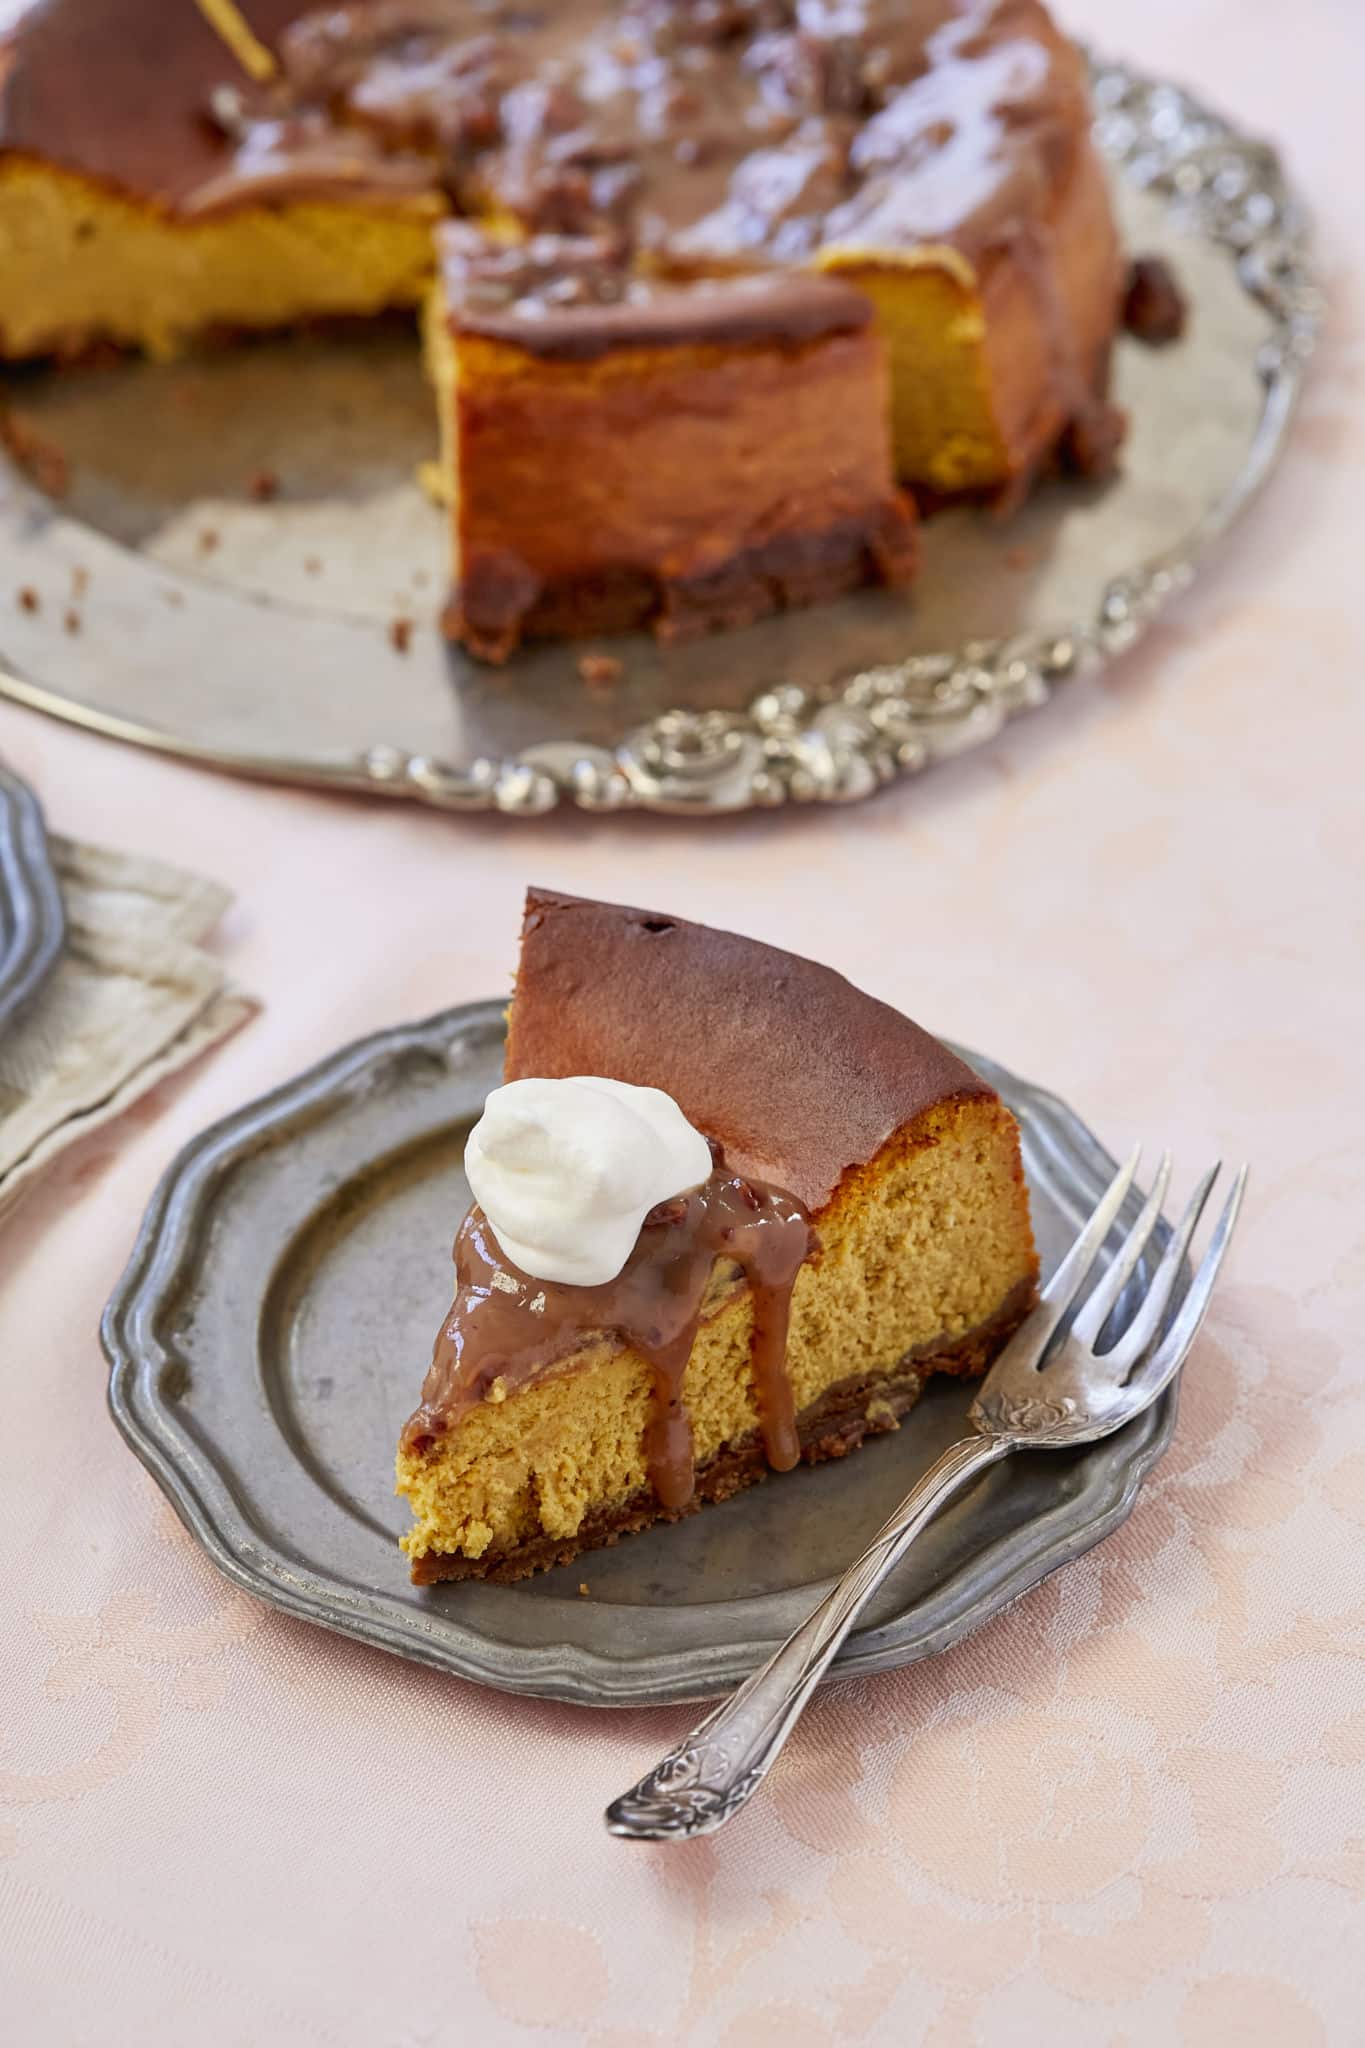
(506, 1328)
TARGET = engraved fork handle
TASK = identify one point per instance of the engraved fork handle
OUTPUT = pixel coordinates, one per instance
(716, 1769)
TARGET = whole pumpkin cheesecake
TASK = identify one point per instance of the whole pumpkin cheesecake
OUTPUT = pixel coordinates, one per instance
(731, 1214)
(710, 280)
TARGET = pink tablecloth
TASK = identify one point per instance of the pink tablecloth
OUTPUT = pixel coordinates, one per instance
(1131, 1810)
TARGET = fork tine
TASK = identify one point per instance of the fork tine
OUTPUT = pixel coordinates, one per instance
(1030, 1340)
(1137, 1338)
(1061, 1288)
(1171, 1354)
(1095, 1312)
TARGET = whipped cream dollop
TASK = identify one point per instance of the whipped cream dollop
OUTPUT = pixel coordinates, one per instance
(567, 1171)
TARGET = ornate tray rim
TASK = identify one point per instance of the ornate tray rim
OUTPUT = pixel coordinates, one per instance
(796, 746)
(201, 1492)
(32, 920)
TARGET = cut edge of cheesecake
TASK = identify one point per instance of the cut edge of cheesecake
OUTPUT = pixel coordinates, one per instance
(88, 267)
(103, 135)
(563, 437)
(925, 1261)
(992, 366)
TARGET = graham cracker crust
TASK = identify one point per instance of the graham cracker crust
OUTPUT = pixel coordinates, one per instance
(831, 1427)
(491, 614)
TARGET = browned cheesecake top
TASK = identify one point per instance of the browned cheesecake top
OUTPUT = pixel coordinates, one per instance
(706, 133)
(120, 90)
(798, 1074)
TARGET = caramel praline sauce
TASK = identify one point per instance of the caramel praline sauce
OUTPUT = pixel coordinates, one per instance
(575, 297)
(709, 134)
(506, 1328)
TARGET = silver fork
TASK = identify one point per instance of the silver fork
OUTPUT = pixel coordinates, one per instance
(1043, 1393)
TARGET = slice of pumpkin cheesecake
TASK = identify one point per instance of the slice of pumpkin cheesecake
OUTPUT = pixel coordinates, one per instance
(730, 1214)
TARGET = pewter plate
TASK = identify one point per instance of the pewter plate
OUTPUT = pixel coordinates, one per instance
(32, 923)
(177, 612)
(269, 1337)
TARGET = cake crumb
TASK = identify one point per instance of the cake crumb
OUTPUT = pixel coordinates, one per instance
(208, 540)
(1154, 308)
(1090, 445)
(599, 671)
(312, 566)
(42, 463)
(497, 1391)
(174, 597)
(433, 482)
(80, 581)
(400, 634)
(264, 486)
(28, 599)
(582, 1589)
(72, 622)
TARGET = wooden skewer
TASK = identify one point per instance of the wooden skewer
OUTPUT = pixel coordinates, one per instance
(226, 19)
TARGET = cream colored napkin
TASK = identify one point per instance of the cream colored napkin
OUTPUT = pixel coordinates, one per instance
(133, 998)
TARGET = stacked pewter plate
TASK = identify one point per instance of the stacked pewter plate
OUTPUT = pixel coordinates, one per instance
(31, 920)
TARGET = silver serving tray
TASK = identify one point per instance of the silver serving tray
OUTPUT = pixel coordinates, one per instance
(32, 924)
(269, 1338)
(257, 637)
